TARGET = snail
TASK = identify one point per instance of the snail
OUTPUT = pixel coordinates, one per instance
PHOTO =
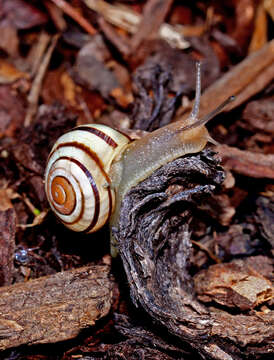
(92, 167)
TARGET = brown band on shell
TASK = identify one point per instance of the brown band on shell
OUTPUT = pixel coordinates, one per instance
(95, 192)
(98, 133)
(89, 152)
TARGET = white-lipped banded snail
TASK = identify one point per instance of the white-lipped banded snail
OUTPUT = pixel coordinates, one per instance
(92, 167)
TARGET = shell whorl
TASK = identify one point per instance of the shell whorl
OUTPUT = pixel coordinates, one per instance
(77, 176)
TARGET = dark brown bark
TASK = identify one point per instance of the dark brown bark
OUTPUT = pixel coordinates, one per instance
(154, 242)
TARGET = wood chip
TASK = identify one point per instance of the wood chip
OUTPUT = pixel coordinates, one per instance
(259, 115)
(246, 162)
(9, 73)
(54, 308)
(235, 284)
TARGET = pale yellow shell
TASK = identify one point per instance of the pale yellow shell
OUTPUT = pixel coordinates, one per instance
(77, 179)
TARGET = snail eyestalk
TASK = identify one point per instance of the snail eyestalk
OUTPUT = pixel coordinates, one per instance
(196, 105)
(209, 116)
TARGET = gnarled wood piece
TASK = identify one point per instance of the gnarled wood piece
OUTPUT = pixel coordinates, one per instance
(54, 308)
(154, 242)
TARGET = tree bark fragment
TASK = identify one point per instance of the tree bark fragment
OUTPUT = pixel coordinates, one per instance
(54, 308)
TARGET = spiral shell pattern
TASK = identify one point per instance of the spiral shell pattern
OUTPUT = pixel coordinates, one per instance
(77, 180)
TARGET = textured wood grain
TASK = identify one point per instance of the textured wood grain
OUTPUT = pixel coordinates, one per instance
(54, 308)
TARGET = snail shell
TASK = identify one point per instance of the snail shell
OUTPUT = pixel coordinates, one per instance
(77, 176)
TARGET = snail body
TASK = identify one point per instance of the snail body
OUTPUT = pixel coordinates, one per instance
(92, 167)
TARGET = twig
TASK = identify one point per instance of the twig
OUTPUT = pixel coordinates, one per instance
(37, 51)
(57, 15)
(207, 251)
(69, 10)
(37, 83)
